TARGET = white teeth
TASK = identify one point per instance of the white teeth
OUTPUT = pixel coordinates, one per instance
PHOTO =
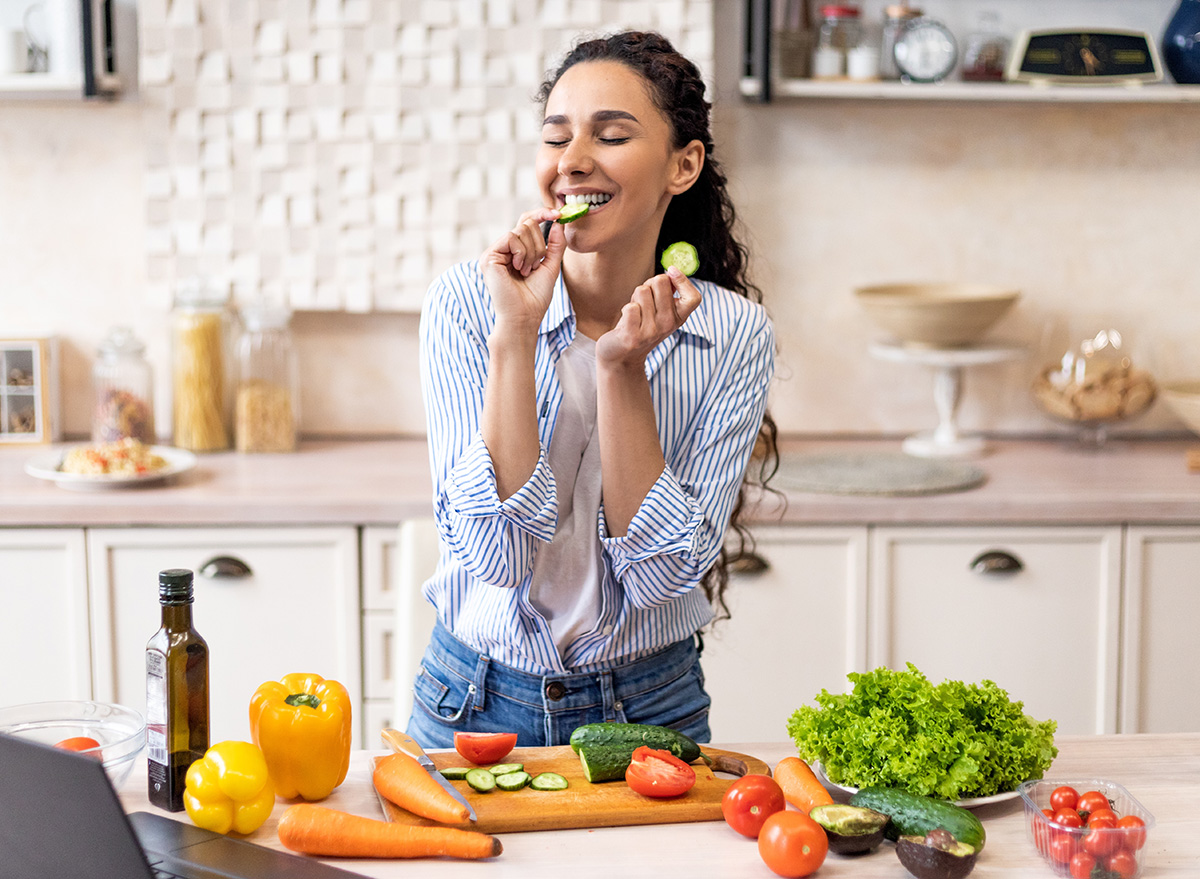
(589, 198)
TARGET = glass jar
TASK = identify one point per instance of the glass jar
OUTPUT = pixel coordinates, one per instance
(200, 331)
(895, 20)
(987, 50)
(840, 32)
(123, 389)
(267, 382)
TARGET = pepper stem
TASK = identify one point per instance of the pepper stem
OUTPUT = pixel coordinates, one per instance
(303, 699)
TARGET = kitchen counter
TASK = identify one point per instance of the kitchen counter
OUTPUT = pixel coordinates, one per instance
(1162, 772)
(387, 481)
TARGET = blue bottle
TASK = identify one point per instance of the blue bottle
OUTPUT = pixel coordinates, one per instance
(1181, 43)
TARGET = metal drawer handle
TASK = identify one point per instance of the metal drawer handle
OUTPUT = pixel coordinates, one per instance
(748, 563)
(225, 567)
(996, 561)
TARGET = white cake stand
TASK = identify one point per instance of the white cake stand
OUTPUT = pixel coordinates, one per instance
(946, 440)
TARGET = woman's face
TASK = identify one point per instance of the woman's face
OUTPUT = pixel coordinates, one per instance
(604, 141)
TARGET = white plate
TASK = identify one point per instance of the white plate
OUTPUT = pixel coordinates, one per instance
(968, 803)
(46, 466)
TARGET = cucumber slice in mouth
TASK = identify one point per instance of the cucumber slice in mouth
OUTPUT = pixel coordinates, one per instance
(572, 212)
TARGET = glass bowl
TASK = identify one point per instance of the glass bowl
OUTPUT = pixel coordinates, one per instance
(120, 731)
(1058, 844)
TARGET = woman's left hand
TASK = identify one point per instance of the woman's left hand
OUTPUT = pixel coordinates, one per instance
(657, 308)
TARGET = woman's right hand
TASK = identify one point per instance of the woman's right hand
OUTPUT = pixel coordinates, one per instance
(521, 268)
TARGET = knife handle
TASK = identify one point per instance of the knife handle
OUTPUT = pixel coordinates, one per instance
(399, 741)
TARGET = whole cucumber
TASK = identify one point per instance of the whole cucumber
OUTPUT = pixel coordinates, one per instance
(914, 815)
(633, 735)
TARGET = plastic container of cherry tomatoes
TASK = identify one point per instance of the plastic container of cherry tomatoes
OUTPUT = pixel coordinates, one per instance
(1119, 850)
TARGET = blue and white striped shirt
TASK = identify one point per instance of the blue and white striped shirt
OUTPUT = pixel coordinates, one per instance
(709, 383)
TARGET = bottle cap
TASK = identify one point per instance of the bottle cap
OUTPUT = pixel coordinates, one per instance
(175, 586)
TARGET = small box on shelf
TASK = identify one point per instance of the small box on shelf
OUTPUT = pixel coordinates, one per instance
(29, 391)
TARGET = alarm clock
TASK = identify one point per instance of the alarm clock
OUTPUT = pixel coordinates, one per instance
(925, 51)
(1091, 57)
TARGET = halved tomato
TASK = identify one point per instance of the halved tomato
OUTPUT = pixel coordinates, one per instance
(659, 773)
(481, 748)
(77, 743)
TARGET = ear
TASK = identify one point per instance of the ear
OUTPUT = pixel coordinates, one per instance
(689, 162)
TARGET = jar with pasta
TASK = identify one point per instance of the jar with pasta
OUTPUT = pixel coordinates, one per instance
(267, 408)
(123, 388)
(200, 370)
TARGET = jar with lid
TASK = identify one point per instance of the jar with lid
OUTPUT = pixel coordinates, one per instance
(267, 382)
(123, 389)
(895, 19)
(839, 33)
(987, 50)
(201, 325)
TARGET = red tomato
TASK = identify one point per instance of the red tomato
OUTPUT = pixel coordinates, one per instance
(658, 773)
(1135, 832)
(1123, 864)
(1081, 866)
(1067, 818)
(792, 844)
(480, 747)
(1063, 798)
(1042, 832)
(1090, 801)
(1102, 842)
(1062, 848)
(1102, 818)
(750, 801)
(77, 743)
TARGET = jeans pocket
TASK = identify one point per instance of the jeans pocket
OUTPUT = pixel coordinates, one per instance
(445, 701)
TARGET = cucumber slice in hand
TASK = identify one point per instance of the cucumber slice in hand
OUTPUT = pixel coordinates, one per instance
(572, 212)
(683, 256)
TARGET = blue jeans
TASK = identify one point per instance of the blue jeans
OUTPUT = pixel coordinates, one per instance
(460, 690)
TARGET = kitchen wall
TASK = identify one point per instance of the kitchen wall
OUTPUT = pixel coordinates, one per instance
(1088, 208)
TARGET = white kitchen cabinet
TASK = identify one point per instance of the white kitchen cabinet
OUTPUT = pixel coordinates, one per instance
(1160, 648)
(379, 571)
(44, 640)
(1048, 633)
(797, 626)
(268, 601)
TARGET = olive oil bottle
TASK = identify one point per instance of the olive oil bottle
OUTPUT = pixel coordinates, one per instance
(176, 692)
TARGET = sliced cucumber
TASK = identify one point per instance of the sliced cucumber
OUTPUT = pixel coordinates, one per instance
(505, 768)
(683, 256)
(481, 780)
(455, 773)
(548, 781)
(513, 780)
(571, 212)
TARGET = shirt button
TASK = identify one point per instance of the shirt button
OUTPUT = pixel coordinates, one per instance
(555, 690)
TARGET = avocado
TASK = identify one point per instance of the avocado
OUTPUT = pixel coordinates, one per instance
(936, 855)
(851, 830)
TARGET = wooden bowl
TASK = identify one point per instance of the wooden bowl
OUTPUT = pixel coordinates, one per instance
(936, 315)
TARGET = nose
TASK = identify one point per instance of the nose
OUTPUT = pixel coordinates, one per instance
(575, 159)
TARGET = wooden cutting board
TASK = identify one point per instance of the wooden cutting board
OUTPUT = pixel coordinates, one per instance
(584, 804)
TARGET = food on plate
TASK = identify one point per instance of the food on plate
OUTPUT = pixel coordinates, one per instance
(936, 855)
(683, 256)
(915, 815)
(750, 801)
(800, 785)
(571, 212)
(851, 830)
(483, 748)
(632, 735)
(654, 772)
(404, 781)
(77, 743)
(229, 788)
(126, 457)
(330, 833)
(302, 724)
(792, 844)
(896, 729)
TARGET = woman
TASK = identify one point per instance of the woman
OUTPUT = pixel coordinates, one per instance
(590, 420)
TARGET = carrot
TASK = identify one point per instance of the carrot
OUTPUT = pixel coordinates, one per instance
(324, 832)
(405, 782)
(800, 786)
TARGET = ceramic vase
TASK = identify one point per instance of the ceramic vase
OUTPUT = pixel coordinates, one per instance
(1181, 43)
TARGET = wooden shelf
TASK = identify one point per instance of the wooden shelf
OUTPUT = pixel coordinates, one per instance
(995, 92)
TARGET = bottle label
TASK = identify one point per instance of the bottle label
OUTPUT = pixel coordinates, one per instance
(156, 707)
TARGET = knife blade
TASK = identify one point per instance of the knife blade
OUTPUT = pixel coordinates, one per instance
(399, 741)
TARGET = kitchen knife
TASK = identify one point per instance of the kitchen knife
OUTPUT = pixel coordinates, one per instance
(399, 741)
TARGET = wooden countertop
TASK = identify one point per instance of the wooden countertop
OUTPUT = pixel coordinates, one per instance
(387, 481)
(1161, 771)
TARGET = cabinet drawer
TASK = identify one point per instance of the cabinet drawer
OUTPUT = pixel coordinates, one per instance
(933, 602)
(296, 609)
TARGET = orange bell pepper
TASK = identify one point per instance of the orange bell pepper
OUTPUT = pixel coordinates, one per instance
(302, 724)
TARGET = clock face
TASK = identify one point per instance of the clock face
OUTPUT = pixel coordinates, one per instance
(1085, 56)
(925, 51)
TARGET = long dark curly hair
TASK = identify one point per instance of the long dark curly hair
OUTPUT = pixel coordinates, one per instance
(703, 215)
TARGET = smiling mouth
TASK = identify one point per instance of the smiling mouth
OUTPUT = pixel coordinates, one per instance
(595, 199)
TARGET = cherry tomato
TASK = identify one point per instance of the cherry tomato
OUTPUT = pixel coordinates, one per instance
(1064, 798)
(77, 743)
(1090, 801)
(659, 773)
(480, 748)
(750, 801)
(1067, 818)
(1102, 842)
(1042, 832)
(1123, 864)
(792, 844)
(1101, 818)
(1081, 866)
(1062, 848)
(1134, 836)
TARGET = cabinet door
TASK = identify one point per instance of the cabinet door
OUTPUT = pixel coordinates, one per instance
(1161, 653)
(45, 649)
(268, 601)
(1046, 629)
(380, 565)
(797, 626)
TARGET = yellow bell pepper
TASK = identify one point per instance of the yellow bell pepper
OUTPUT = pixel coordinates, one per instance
(302, 724)
(229, 788)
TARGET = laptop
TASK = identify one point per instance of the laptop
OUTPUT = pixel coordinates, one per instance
(60, 818)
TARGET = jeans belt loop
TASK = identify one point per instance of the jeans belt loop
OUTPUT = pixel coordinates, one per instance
(608, 695)
(481, 669)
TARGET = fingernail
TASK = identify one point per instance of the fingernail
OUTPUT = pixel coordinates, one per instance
(675, 273)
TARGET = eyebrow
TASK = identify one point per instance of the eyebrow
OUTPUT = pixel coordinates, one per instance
(599, 116)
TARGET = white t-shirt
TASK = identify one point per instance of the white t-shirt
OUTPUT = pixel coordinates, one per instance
(567, 571)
